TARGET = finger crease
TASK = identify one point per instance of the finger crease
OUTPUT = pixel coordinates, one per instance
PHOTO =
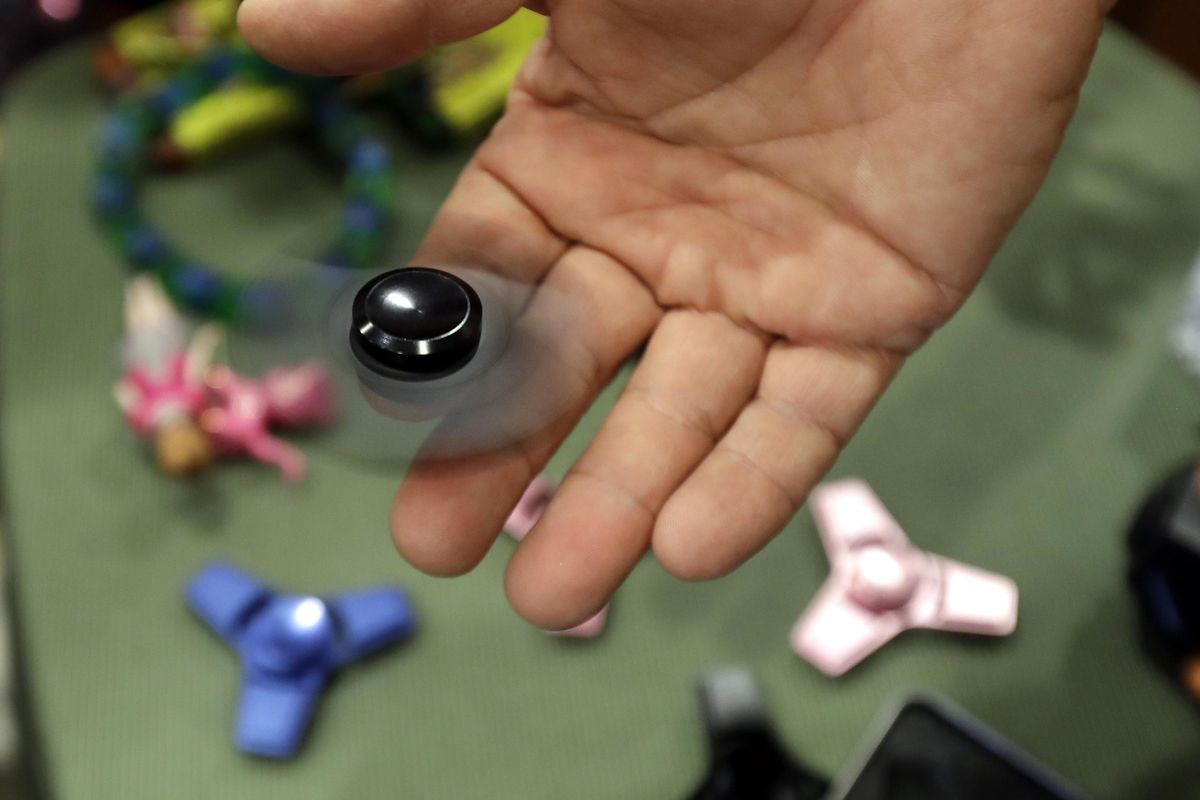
(695, 421)
(511, 188)
(745, 458)
(615, 487)
(798, 414)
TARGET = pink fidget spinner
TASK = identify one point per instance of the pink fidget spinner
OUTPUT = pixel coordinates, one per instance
(244, 409)
(522, 519)
(881, 585)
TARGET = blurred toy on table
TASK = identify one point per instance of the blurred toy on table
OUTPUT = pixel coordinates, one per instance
(451, 94)
(142, 53)
(921, 747)
(747, 760)
(1164, 572)
(139, 119)
(190, 410)
(928, 748)
(193, 411)
(243, 411)
(27, 27)
(161, 390)
(1164, 539)
(149, 46)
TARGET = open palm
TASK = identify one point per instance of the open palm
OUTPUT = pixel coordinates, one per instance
(785, 197)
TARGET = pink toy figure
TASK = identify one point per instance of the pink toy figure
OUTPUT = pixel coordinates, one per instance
(161, 391)
(881, 585)
(243, 410)
(522, 519)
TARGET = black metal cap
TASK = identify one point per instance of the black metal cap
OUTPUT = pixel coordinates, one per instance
(416, 323)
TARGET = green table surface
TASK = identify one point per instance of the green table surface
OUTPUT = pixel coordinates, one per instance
(1020, 439)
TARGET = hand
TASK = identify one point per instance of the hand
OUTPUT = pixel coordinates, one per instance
(786, 196)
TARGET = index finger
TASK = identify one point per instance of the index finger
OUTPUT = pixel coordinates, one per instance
(346, 37)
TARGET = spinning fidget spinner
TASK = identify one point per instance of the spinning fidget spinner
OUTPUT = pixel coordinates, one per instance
(426, 362)
(881, 585)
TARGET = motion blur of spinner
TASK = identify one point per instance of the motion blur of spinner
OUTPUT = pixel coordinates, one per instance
(447, 360)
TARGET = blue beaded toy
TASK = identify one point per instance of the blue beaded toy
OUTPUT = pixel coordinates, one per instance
(124, 145)
(289, 646)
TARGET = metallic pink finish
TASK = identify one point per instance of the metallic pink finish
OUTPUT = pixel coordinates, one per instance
(529, 508)
(881, 585)
(522, 519)
(590, 628)
(243, 411)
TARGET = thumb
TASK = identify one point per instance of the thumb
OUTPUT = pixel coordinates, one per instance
(342, 37)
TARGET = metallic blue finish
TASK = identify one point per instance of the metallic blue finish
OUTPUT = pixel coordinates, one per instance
(289, 646)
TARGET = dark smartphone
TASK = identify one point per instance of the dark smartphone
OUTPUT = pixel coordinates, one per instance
(931, 750)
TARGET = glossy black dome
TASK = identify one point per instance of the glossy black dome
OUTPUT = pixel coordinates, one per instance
(416, 323)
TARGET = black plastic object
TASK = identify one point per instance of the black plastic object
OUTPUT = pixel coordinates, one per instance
(1164, 567)
(932, 750)
(747, 760)
(416, 324)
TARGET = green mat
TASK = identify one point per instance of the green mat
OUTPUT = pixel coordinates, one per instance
(1020, 439)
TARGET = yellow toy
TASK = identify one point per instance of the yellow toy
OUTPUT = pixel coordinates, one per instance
(151, 45)
(224, 119)
(471, 79)
(453, 93)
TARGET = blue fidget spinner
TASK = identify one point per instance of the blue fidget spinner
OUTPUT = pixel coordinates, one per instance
(289, 646)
